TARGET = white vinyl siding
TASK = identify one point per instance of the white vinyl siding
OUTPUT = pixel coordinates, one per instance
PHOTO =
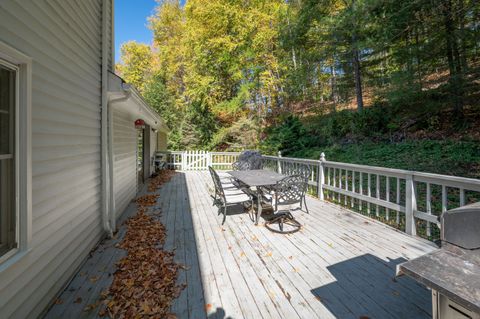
(63, 38)
(153, 150)
(110, 35)
(124, 160)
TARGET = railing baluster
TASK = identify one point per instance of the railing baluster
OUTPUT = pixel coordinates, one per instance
(444, 198)
(369, 192)
(462, 196)
(353, 189)
(398, 201)
(339, 184)
(334, 179)
(429, 207)
(410, 205)
(346, 188)
(377, 194)
(360, 203)
(387, 197)
(329, 183)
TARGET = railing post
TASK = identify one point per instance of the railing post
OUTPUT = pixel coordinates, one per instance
(184, 160)
(279, 164)
(209, 159)
(410, 205)
(320, 177)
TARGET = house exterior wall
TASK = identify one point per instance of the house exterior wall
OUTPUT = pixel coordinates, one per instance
(124, 160)
(64, 40)
(153, 150)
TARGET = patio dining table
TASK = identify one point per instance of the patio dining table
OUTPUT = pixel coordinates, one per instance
(258, 179)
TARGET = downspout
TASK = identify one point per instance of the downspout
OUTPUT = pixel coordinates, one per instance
(111, 103)
(104, 124)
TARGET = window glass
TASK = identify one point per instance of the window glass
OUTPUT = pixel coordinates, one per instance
(7, 160)
(7, 104)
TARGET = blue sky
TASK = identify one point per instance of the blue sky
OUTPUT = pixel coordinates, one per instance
(131, 22)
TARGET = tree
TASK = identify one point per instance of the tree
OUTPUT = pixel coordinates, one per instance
(136, 63)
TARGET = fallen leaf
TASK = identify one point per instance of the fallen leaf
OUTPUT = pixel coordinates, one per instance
(269, 254)
(78, 300)
(94, 279)
(242, 254)
(208, 306)
(58, 301)
(90, 307)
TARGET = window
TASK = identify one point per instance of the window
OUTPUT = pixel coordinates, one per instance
(15, 155)
(8, 156)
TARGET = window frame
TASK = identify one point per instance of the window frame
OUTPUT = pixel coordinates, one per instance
(22, 64)
(15, 151)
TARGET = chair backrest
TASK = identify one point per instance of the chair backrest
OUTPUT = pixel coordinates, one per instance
(297, 169)
(305, 171)
(291, 189)
(254, 158)
(241, 166)
(216, 182)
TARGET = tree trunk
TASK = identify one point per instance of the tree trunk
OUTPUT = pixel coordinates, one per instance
(454, 62)
(333, 84)
(358, 77)
(463, 36)
(294, 59)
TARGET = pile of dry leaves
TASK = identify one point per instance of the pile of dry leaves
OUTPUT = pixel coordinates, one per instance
(144, 285)
(146, 201)
(159, 179)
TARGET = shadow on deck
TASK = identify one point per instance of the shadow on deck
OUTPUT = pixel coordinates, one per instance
(340, 265)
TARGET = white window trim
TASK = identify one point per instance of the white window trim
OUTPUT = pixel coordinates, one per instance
(23, 149)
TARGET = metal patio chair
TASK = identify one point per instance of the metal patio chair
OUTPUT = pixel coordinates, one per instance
(241, 166)
(227, 196)
(289, 191)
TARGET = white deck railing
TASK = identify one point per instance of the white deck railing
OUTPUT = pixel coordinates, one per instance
(409, 200)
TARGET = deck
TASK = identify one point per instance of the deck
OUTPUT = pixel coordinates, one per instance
(340, 265)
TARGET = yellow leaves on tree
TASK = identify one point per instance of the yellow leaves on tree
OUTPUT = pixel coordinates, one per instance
(136, 66)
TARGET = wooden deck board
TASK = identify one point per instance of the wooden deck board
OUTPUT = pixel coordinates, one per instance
(340, 265)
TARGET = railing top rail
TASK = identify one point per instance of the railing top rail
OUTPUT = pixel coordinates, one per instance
(225, 153)
(293, 159)
(170, 152)
(470, 183)
(447, 180)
